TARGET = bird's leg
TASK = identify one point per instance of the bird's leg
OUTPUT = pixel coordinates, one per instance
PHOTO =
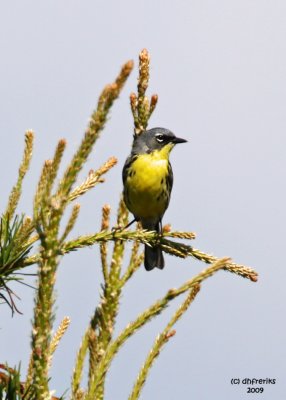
(130, 223)
(119, 228)
(160, 227)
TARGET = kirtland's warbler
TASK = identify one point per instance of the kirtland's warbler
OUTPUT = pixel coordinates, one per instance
(148, 180)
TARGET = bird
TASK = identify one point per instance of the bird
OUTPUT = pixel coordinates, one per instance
(147, 184)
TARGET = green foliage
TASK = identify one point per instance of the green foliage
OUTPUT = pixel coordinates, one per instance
(19, 235)
(11, 388)
(14, 247)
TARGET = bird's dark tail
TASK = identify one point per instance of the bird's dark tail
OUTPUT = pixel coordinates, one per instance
(153, 258)
(153, 255)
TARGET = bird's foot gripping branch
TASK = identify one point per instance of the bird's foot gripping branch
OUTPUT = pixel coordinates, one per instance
(19, 237)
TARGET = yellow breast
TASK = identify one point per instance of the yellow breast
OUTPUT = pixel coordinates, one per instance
(146, 192)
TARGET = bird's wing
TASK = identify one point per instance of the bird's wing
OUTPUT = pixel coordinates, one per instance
(169, 180)
(126, 167)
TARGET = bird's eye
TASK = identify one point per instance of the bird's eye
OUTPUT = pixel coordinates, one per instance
(159, 138)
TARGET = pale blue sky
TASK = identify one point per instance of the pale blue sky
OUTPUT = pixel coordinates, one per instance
(219, 69)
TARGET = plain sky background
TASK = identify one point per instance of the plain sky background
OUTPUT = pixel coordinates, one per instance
(219, 69)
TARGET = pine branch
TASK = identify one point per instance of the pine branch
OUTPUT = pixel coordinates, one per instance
(79, 364)
(143, 236)
(57, 337)
(48, 212)
(141, 320)
(135, 262)
(237, 269)
(17, 189)
(105, 222)
(105, 314)
(56, 160)
(150, 237)
(14, 248)
(71, 222)
(141, 107)
(160, 341)
(93, 179)
(96, 124)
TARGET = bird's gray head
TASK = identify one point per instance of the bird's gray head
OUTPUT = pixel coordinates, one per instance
(155, 139)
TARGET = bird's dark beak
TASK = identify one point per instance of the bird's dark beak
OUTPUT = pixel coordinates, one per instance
(178, 140)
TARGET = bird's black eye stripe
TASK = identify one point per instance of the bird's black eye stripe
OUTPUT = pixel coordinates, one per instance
(159, 137)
